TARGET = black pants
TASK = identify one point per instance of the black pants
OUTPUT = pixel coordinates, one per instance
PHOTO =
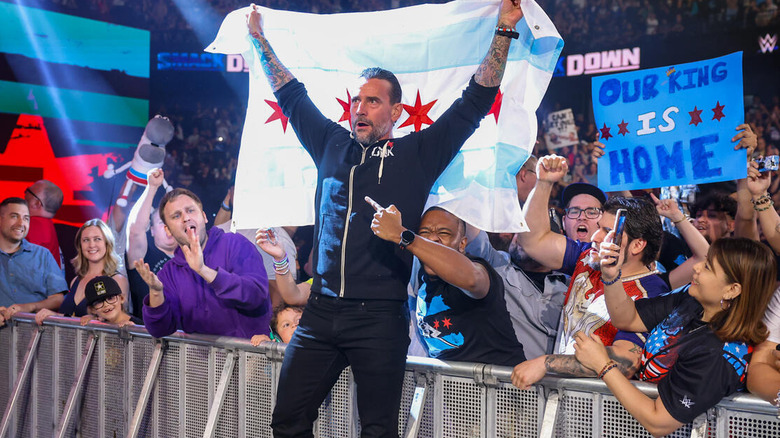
(371, 336)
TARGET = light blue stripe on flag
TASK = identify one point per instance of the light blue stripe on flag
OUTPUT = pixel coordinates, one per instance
(434, 50)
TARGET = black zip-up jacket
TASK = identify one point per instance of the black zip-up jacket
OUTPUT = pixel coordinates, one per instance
(349, 260)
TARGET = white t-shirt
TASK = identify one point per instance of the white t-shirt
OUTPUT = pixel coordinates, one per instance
(772, 318)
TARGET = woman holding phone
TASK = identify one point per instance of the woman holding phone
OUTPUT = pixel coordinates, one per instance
(699, 337)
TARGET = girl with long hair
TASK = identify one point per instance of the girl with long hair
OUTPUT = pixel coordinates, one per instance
(699, 340)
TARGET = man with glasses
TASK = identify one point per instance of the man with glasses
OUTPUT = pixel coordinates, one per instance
(584, 307)
(582, 203)
(44, 199)
(104, 301)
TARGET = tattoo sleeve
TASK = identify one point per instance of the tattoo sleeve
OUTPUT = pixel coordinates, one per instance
(276, 73)
(491, 70)
(568, 365)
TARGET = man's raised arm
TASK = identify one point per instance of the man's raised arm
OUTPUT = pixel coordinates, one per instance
(138, 219)
(491, 70)
(276, 73)
(540, 242)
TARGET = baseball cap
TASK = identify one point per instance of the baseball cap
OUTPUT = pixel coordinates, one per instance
(100, 288)
(575, 189)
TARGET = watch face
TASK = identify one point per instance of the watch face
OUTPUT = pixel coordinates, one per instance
(406, 238)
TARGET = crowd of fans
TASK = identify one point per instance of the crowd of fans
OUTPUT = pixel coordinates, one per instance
(577, 20)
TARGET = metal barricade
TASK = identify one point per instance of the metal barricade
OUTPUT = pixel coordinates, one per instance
(194, 385)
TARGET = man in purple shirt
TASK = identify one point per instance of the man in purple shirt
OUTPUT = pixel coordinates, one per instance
(215, 283)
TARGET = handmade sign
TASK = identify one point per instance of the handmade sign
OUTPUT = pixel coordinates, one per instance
(670, 125)
(560, 130)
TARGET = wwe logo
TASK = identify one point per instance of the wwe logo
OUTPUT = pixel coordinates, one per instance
(767, 43)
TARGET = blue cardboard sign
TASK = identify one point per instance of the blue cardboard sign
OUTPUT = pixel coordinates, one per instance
(670, 125)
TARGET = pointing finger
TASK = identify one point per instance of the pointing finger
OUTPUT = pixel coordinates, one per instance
(655, 199)
(373, 203)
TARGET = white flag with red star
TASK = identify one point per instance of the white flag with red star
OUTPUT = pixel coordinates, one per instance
(433, 50)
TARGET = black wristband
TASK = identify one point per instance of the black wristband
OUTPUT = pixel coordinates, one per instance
(507, 32)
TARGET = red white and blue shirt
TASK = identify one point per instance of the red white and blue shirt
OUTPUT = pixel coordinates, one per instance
(693, 368)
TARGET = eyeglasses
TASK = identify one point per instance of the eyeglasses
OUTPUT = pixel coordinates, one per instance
(590, 212)
(27, 190)
(110, 300)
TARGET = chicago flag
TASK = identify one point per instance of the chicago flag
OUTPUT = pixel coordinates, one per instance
(433, 50)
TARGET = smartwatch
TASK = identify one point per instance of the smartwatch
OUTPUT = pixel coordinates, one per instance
(407, 237)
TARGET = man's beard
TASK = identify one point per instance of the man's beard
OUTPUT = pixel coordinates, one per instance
(592, 259)
(375, 135)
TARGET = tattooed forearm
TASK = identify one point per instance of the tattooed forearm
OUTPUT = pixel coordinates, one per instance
(568, 365)
(491, 70)
(627, 365)
(276, 73)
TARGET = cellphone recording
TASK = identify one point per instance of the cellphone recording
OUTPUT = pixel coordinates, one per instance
(620, 221)
(765, 164)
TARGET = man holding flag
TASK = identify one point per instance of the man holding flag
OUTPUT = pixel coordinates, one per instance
(357, 312)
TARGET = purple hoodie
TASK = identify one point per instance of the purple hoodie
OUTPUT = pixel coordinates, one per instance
(235, 304)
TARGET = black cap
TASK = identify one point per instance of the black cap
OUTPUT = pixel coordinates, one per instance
(100, 288)
(575, 189)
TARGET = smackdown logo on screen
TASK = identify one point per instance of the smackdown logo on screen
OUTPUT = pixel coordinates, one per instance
(606, 61)
(198, 61)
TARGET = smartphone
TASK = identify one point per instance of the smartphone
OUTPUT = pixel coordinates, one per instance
(620, 221)
(766, 164)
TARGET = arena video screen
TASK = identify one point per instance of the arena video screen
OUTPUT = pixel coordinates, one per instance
(74, 99)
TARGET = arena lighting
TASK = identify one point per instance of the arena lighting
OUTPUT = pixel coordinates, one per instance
(204, 22)
(30, 35)
(202, 18)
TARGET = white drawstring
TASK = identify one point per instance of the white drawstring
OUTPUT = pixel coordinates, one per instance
(382, 162)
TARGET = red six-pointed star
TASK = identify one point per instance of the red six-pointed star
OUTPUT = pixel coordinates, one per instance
(346, 115)
(605, 135)
(277, 114)
(695, 116)
(418, 114)
(495, 109)
(447, 322)
(718, 111)
(623, 128)
(436, 324)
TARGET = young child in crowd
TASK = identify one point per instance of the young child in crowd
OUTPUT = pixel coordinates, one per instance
(283, 324)
(104, 302)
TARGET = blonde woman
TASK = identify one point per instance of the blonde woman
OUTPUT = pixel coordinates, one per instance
(95, 256)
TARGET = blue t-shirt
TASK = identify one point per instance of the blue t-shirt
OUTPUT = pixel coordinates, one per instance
(29, 275)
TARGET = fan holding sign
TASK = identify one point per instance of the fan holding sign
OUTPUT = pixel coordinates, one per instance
(670, 125)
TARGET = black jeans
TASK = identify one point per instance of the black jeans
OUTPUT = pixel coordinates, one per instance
(371, 336)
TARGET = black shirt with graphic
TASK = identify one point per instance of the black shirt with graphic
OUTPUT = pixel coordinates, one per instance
(693, 368)
(454, 326)
(138, 288)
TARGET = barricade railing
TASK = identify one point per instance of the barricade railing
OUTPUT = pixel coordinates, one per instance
(64, 379)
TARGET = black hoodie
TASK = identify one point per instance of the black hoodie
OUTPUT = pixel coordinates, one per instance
(349, 260)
